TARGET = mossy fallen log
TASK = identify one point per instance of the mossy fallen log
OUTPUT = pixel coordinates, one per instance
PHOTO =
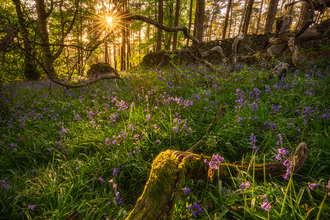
(171, 168)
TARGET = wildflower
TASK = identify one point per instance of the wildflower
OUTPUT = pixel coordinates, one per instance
(243, 185)
(155, 126)
(115, 171)
(63, 130)
(158, 141)
(175, 129)
(105, 215)
(266, 124)
(273, 126)
(208, 93)
(240, 119)
(312, 186)
(4, 185)
(148, 116)
(131, 127)
(281, 139)
(196, 207)
(101, 180)
(287, 176)
(33, 171)
(217, 158)
(283, 151)
(107, 141)
(213, 165)
(265, 206)
(32, 207)
(186, 191)
(116, 192)
(77, 168)
(119, 200)
(278, 157)
(286, 163)
(255, 148)
(253, 139)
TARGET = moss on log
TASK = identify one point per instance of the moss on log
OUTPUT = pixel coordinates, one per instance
(171, 168)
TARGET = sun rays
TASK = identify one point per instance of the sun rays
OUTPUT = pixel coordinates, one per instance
(109, 18)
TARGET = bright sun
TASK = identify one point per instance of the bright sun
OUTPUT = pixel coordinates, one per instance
(109, 20)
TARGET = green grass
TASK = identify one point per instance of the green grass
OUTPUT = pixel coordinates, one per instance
(185, 99)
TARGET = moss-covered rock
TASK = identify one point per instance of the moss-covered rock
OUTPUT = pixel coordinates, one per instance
(101, 68)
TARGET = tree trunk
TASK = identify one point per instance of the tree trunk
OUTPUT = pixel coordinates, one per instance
(247, 17)
(190, 15)
(44, 38)
(199, 19)
(231, 21)
(114, 54)
(29, 67)
(211, 24)
(226, 20)
(168, 38)
(176, 23)
(243, 15)
(272, 7)
(160, 21)
(258, 22)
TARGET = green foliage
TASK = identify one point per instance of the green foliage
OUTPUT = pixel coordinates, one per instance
(126, 124)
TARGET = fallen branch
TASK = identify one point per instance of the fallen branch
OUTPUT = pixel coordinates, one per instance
(170, 169)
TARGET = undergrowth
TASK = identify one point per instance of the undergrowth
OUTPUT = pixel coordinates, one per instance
(91, 149)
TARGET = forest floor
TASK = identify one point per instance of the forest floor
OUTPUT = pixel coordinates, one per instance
(90, 149)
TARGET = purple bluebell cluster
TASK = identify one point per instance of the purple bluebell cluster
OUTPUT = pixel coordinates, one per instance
(243, 185)
(253, 141)
(5, 184)
(195, 208)
(216, 159)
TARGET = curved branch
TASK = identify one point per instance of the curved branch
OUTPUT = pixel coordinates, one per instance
(167, 29)
(67, 85)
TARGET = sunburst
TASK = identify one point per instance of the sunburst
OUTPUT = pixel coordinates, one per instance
(109, 19)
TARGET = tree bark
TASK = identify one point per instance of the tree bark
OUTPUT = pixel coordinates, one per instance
(160, 21)
(247, 17)
(258, 23)
(243, 15)
(272, 7)
(176, 23)
(29, 67)
(190, 15)
(226, 19)
(231, 21)
(199, 19)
